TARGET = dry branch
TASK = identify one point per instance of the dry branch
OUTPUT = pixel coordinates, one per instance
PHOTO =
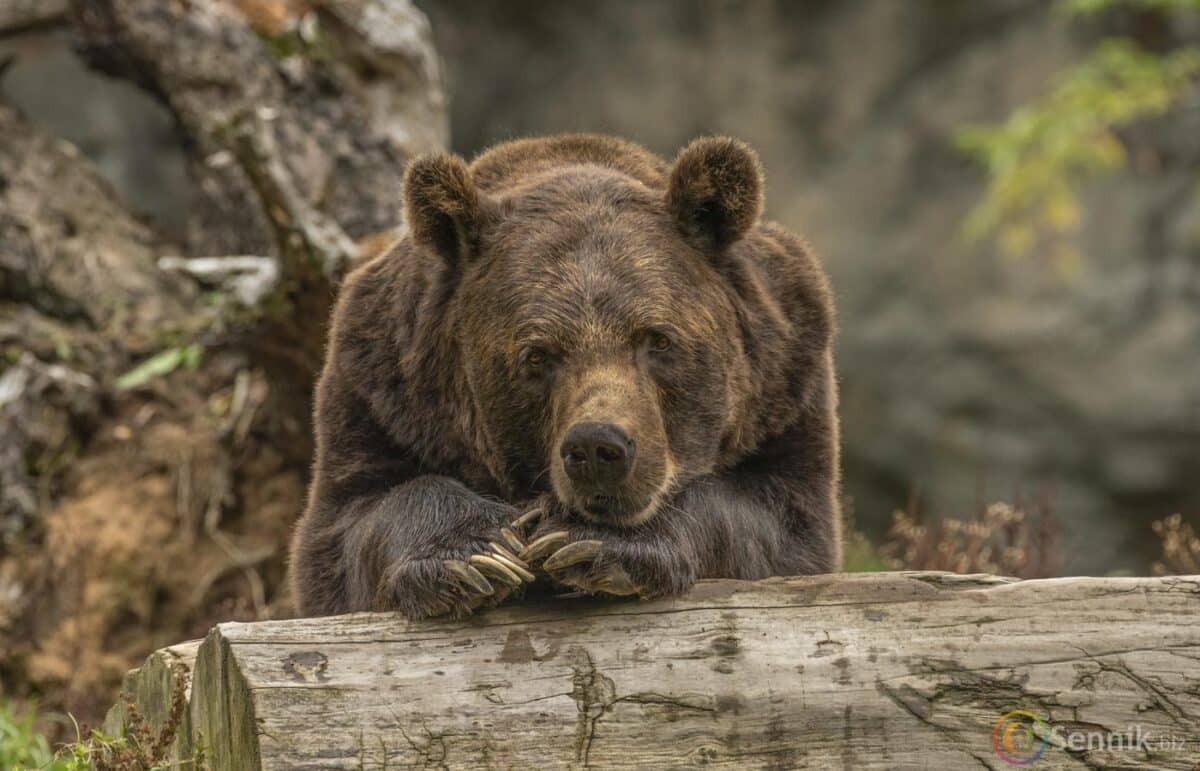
(867, 671)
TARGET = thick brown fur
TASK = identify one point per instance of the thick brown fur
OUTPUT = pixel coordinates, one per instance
(567, 279)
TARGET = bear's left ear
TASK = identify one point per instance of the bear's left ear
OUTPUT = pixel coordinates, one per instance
(715, 191)
(443, 208)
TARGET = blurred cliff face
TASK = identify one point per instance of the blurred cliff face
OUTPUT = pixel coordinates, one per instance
(965, 376)
(128, 135)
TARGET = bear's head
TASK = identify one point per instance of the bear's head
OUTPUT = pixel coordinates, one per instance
(595, 319)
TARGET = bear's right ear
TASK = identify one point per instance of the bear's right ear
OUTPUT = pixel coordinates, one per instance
(715, 191)
(443, 208)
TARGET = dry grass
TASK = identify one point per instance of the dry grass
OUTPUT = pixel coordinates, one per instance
(1004, 539)
(175, 519)
(1180, 547)
(139, 748)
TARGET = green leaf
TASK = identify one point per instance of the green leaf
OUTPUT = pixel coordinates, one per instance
(159, 365)
(1038, 160)
(21, 746)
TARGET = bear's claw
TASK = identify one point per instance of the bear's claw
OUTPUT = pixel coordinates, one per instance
(490, 566)
(511, 538)
(488, 577)
(470, 577)
(614, 580)
(544, 546)
(580, 565)
(516, 566)
(501, 551)
(527, 518)
(573, 554)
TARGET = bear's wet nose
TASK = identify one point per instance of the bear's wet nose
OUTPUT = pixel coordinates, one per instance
(597, 453)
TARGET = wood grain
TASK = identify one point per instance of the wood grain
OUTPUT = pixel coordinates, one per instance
(862, 671)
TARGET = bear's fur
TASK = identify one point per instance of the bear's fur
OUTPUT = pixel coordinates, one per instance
(559, 280)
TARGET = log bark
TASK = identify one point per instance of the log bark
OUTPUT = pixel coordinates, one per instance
(862, 671)
(152, 689)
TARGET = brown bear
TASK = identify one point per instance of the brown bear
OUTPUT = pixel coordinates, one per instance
(581, 362)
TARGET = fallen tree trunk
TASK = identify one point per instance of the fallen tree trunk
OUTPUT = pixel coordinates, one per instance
(887, 671)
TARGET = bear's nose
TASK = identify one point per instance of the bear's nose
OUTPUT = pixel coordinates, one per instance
(597, 453)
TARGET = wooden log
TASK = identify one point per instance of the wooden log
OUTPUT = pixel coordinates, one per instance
(861, 671)
(151, 690)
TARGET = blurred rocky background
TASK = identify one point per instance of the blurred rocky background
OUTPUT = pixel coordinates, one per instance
(1005, 194)
(182, 185)
(968, 374)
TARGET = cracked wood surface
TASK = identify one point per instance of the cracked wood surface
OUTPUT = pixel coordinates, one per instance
(862, 671)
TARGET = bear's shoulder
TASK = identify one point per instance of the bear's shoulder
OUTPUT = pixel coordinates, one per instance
(506, 165)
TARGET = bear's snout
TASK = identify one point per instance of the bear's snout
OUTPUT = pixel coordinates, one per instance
(609, 461)
(597, 456)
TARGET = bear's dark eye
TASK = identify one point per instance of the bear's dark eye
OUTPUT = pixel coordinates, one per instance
(659, 342)
(535, 361)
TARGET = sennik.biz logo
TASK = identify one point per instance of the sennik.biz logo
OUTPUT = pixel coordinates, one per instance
(1019, 737)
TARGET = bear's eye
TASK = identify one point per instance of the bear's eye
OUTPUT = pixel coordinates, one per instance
(535, 360)
(659, 342)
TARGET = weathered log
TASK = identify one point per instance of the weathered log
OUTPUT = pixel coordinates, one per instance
(152, 690)
(866, 671)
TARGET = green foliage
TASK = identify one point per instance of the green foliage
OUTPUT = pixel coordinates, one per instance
(1039, 158)
(307, 40)
(161, 364)
(859, 555)
(21, 746)
(101, 753)
(1083, 7)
